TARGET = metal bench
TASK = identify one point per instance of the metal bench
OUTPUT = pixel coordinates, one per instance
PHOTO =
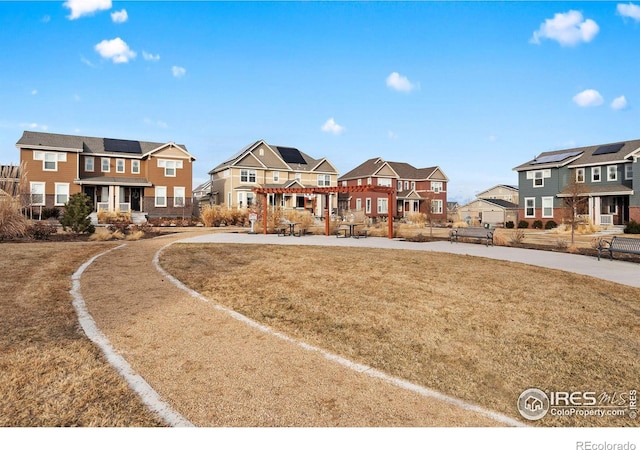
(282, 230)
(361, 234)
(473, 233)
(342, 231)
(620, 245)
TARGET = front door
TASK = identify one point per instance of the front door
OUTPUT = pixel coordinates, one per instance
(90, 191)
(135, 199)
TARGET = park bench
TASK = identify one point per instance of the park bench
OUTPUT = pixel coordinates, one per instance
(472, 232)
(343, 231)
(282, 230)
(620, 245)
(361, 234)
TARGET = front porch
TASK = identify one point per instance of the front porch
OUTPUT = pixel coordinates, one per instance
(114, 194)
(608, 210)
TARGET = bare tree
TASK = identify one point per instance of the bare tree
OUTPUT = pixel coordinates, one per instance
(575, 201)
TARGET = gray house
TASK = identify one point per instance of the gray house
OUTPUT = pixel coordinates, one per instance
(607, 175)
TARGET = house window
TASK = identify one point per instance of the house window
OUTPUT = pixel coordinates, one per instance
(628, 171)
(382, 206)
(50, 162)
(344, 183)
(135, 166)
(359, 181)
(595, 175)
(62, 193)
(37, 193)
(169, 166)
(547, 206)
(367, 205)
(436, 186)
(298, 177)
(247, 176)
(613, 206)
(358, 204)
(369, 180)
(178, 196)
(324, 180)
(580, 175)
(119, 165)
(104, 165)
(88, 163)
(406, 185)
(276, 176)
(249, 199)
(161, 196)
(413, 185)
(386, 182)
(530, 207)
(436, 206)
(612, 173)
(225, 174)
(538, 178)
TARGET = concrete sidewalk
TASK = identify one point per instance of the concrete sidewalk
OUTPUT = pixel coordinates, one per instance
(617, 271)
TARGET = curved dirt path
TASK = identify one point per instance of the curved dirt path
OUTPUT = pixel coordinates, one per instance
(217, 371)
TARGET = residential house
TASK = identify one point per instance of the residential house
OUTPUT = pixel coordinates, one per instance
(263, 165)
(118, 175)
(607, 176)
(494, 206)
(417, 190)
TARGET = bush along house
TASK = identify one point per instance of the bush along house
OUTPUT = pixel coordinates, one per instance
(606, 177)
(143, 178)
(417, 190)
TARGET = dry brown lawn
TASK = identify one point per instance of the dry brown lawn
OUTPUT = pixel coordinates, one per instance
(50, 373)
(474, 328)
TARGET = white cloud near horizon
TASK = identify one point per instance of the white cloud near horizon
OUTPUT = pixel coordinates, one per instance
(150, 56)
(629, 10)
(120, 16)
(400, 83)
(568, 29)
(178, 71)
(34, 92)
(81, 8)
(155, 123)
(116, 50)
(34, 126)
(619, 103)
(330, 126)
(587, 98)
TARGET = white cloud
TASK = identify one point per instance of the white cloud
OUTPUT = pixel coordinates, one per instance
(150, 57)
(87, 62)
(400, 83)
(588, 97)
(81, 8)
(156, 123)
(391, 135)
(492, 138)
(116, 50)
(568, 29)
(330, 126)
(119, 16)
(632, 11)
(178, 71)
(619, 103)
(46, 19)
(34, 126)
(34, 92)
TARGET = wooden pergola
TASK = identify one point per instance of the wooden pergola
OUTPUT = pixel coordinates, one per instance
(327, 191)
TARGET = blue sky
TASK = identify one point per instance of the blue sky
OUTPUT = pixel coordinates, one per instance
(476, 88)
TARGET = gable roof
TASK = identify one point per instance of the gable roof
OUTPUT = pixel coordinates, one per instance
(497, 186)
(405, 171)
(592, 155)
(36, 140)
(493, 202)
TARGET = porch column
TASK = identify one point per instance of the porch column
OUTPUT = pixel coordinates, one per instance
(327, 214)
(112, 198)
(390, 215)
(264, 214)
(596, 210)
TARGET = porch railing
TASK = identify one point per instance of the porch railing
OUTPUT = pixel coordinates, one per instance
(606, 219)
(104, 206)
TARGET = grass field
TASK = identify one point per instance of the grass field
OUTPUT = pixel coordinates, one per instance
(474, 328)
(51, 375)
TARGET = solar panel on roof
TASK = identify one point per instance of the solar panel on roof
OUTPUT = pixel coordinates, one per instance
(291, 155)
(122, 146)
(555, 158)
(610, 148)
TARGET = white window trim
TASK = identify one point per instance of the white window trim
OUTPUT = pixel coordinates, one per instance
(135, 166)
(102, 161)
(86, 164)
(526, 199)
(593, 172)
(367, 205)
(324, 180)
(44, 192)
(249, 173)
(121, 161)
(436, 186)
(54, 161)
(438, 209)
(358, 204)
(615, 173)
(179, 192)
(580, 170)
(535, 178)
(164, 197)
(383, 206)
(549, 199)
(55, 199)
(628, 172)
(276, 176)
(359, 181)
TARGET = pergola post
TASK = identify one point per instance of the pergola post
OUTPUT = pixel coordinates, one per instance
(264, 214)
(390, 216)
(327, 214)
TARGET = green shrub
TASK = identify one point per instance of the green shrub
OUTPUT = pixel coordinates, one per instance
(523, 224)
(509, 224)
(632, 227)
(550, 225)
(76, 214)
(50, 213)
(537, 224)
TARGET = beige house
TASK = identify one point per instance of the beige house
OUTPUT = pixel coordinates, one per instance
(261, 165)
(495, 206)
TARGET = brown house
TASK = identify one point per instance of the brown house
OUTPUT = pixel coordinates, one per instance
(147, 178)
(417, 190)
